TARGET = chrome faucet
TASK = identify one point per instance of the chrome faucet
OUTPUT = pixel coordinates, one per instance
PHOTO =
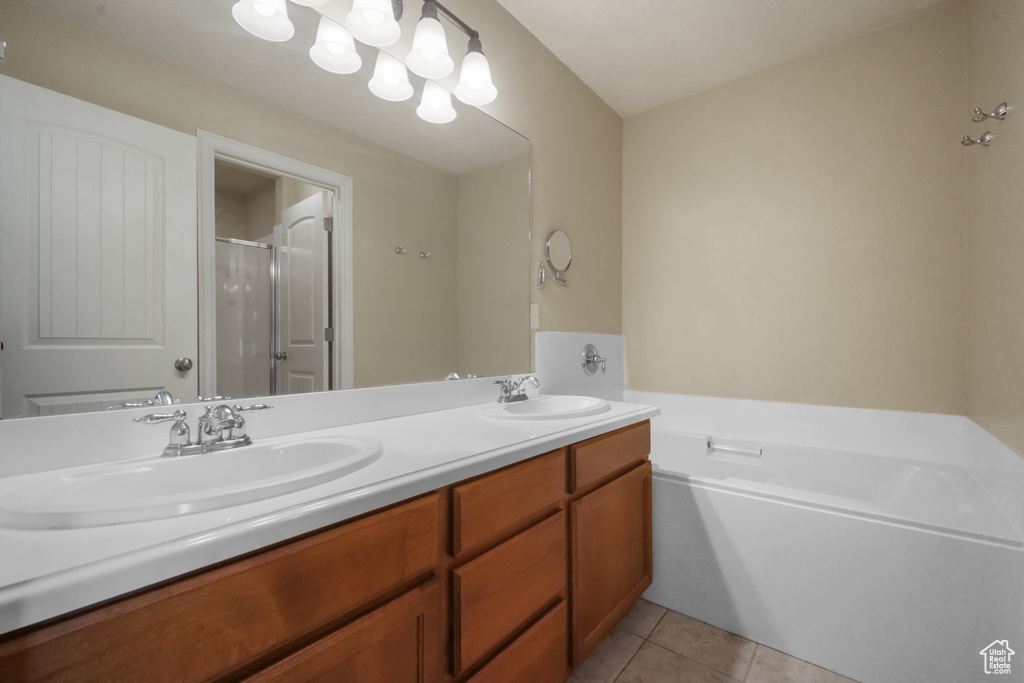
(513, 390)
(220, 428)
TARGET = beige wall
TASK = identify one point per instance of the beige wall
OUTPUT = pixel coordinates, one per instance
(230, 214)
(995, 219)
(575, 169)
(493, 303)
(261, 213)
(797, 235)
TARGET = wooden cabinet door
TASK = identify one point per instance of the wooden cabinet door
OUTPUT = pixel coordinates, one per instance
(611, 556)
(397, 643)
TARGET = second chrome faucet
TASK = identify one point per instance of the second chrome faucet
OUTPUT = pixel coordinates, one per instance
(513, 390)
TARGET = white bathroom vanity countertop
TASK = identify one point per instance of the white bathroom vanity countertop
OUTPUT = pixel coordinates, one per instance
(47, 573)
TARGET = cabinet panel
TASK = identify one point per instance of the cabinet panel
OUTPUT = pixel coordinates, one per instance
(611, 556)
(538, 656)
(497, 593)
(396, 643)
(484, 508)
(207, 625)
(600, 457)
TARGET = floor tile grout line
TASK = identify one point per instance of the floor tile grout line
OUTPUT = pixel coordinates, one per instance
(644, 640)
(679, 654)
(750, 664)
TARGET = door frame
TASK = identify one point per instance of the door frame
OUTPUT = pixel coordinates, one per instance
(212, 147)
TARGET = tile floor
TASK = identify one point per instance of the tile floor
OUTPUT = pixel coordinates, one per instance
(656, 645)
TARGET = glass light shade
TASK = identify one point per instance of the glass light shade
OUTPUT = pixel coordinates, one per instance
(429, 56)
(311, 3)
(334, 50)
(266, 19)
(373, 22)
(436, 105)
(475, 86)
(390, 79)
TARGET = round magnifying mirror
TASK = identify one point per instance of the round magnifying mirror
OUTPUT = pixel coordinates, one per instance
(559, 251)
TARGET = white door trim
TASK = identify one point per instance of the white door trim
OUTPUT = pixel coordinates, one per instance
(213, 147)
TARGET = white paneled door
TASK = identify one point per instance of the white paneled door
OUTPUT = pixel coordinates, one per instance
(302, 314)
(98, 290)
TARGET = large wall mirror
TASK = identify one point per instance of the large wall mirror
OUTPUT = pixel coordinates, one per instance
(425, 272)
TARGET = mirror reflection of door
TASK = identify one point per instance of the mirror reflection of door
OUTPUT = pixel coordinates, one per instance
(303, 352)
(97, 255)
(272, 283)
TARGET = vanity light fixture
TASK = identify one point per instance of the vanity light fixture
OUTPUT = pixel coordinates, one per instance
(429, 56)
(436, 105)
(390, 79)
(267, 19)
(475, 86)
(374, 22)
(334, 50)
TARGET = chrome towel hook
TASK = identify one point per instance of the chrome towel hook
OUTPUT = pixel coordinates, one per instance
(985, 140)
(999, 113)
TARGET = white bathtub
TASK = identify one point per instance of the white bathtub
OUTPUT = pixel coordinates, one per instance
(879, 568)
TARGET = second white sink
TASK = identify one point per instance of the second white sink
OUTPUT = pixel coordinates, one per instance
(155, 488)
(546, 408)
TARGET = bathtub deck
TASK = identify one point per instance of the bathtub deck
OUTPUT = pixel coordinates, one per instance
(653, 644)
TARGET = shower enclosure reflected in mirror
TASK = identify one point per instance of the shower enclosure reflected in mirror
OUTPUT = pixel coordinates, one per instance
(458, 191)
(265, 279)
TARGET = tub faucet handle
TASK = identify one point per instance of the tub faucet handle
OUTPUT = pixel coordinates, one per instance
(591, 359)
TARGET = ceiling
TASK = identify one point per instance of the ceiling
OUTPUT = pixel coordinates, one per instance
(641, 54)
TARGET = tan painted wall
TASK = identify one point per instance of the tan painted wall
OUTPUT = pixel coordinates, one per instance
(576, 168)
(493, 303)
(995, 219)
(261, 213)
(230, 214)
(797, 235)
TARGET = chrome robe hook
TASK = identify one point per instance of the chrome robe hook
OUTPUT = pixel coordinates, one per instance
(984, 140)
(999, 113)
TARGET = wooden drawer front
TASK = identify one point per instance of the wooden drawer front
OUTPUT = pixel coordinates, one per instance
(611, 556)
(607, 454)
(212, 623)
(496, 594)
(484, 508)
(397, 643)
(539, 656)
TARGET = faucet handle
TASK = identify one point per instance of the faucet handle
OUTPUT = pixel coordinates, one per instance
(506, 388)
(180, 441)
(211, 399)
(254, 406)
(154, 418)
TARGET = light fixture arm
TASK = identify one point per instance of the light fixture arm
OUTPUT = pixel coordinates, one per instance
(450, 16)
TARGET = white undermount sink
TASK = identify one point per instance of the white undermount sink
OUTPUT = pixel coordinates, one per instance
(155, 488)
(546, 408)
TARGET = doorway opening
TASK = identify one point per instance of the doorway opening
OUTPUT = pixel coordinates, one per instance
(275, 273)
